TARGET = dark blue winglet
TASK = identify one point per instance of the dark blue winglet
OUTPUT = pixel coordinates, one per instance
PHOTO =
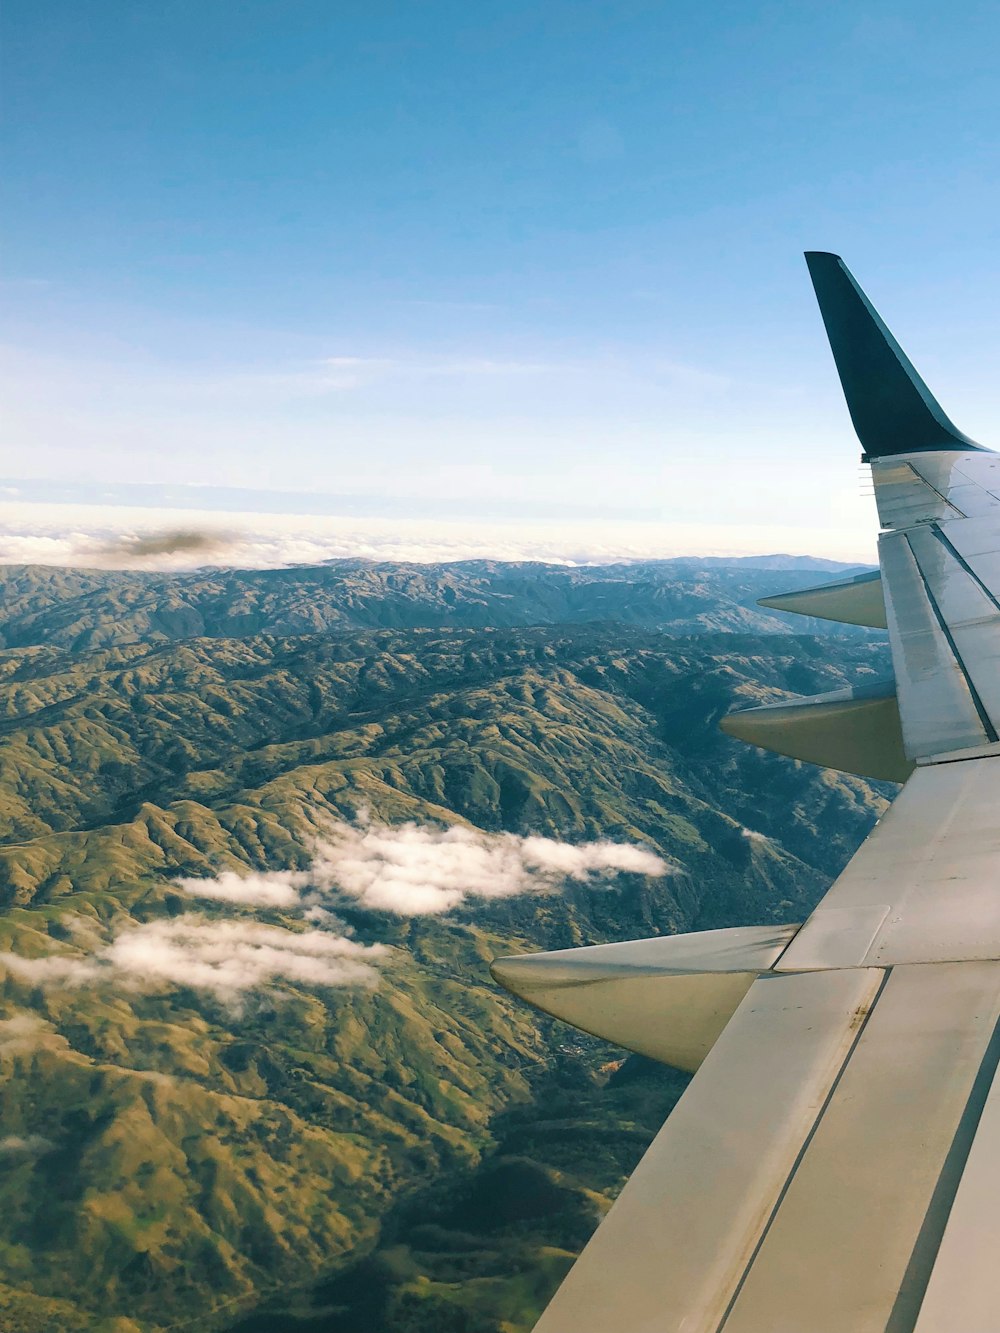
(893, 410)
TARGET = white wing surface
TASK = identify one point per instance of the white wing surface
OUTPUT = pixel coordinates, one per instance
(834, 1166)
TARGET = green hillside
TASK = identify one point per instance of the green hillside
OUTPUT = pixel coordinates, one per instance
(178, 1156)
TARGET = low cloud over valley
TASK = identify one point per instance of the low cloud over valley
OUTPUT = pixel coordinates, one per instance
(225, 957)
(419, 869)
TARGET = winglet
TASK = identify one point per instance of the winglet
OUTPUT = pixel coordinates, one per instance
(893, 410)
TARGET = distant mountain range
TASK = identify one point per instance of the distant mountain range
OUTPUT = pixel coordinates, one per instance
(91, 608)
(802, 563)
(424, 1155)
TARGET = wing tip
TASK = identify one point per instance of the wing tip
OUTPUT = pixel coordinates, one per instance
(892, 409)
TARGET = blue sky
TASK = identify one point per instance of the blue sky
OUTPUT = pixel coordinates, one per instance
(521, 254)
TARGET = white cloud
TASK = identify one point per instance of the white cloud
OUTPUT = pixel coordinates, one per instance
(415, 870)
(232, 956)
(579, 860)
(276, 889)
(226, 957)
(51, 969)
(21, 1033)
(754, 836)
(24, 1145)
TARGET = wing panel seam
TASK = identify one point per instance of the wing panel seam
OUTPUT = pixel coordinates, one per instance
(901, 500)
(940, 495)
(961, 560)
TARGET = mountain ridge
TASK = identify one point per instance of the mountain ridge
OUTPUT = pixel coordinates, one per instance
(92, 608)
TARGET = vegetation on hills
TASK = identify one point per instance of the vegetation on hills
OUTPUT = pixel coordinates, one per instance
(421, 1154)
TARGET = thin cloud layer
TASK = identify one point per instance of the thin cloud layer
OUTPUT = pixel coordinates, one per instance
(224, 957)
(88, 535)
(416, 870)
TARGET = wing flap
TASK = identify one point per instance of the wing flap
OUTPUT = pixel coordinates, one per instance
(673, 1249)
(855, 1236)
(814, 1175)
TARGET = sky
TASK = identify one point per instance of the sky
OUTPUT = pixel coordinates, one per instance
(486, 263)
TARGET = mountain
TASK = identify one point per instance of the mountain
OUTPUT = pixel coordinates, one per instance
(371, 1137)
(94, 608)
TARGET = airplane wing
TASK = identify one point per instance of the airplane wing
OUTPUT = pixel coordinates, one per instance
(834, 1166)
